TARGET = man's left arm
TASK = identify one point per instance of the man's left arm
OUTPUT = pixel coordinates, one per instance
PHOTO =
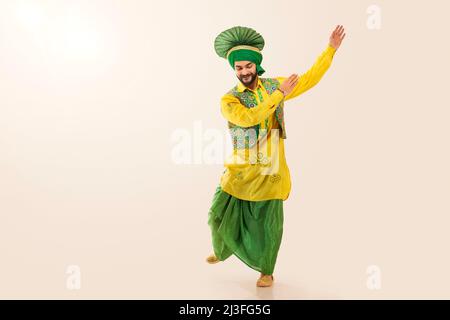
(310, 78)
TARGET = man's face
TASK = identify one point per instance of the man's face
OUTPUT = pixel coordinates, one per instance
(245, 71)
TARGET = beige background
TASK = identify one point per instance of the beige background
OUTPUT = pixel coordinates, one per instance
(91, 93)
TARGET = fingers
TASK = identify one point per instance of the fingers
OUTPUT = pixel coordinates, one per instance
(294, 83)
(289, 84)
(338, 34)
(338, 31)
(292, 77)
(292, 80)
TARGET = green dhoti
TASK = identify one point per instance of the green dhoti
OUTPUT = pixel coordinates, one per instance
(251, 230)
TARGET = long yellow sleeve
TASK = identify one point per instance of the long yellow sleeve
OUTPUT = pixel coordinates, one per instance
(235, 112)
(313, 75)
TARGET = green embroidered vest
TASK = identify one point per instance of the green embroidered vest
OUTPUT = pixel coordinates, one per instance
(247, 137)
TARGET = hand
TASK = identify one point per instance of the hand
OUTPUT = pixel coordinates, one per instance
(288, 85)
(337, 36)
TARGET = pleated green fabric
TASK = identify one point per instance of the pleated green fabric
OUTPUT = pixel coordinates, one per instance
(251, 230)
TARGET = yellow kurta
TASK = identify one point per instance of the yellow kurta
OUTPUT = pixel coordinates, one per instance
(261, 172)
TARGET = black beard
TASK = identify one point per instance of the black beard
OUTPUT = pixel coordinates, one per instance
(250, 82)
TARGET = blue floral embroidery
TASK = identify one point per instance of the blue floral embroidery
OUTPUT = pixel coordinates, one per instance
(270, 84)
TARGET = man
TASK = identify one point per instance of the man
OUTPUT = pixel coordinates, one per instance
(246, 215)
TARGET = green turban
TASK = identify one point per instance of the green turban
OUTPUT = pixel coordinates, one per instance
(240, 44)
(247, 55)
